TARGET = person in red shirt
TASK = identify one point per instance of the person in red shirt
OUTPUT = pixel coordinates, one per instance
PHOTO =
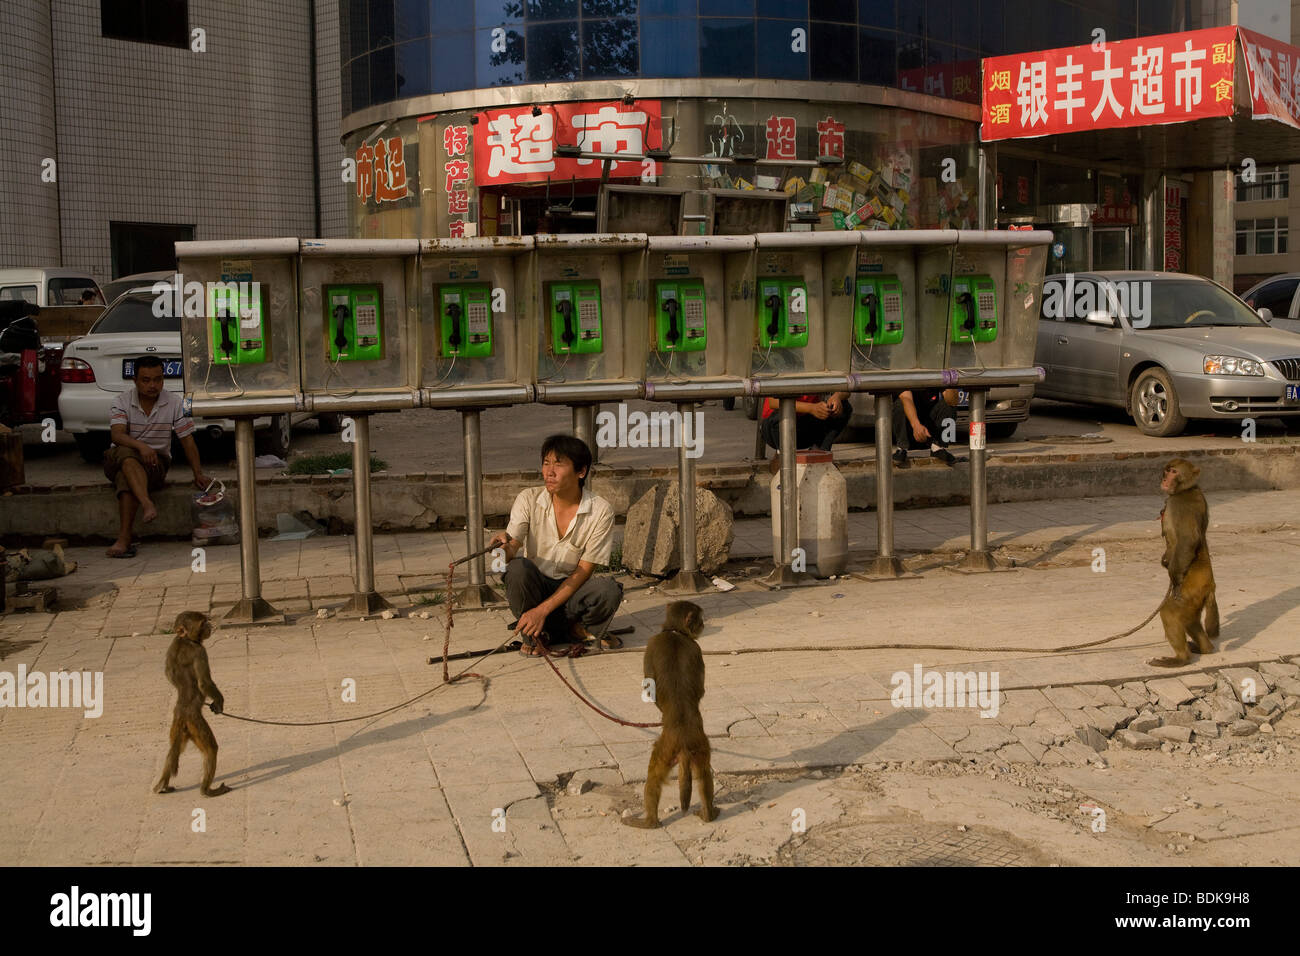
(818, 423)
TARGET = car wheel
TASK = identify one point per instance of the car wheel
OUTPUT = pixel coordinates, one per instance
(92, 446)
(729, 403)
(751, 408)
(329, 423)
(1001, 431)
(1153, 403)
(276, 439)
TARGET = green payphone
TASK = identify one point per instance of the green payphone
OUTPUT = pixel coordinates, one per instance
(974, 309)
(353, 320)
(878, 311)
(575, 317)
(782, 313)
(465, 320)
(235, 315)
(680, 318)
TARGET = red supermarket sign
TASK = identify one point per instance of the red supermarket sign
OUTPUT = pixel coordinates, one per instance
(1147, 81)
(515, 146)
(1274, 71)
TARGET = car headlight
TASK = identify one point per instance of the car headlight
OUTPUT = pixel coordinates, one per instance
(1232, 365)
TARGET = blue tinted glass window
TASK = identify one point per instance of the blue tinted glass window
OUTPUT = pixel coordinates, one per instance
(498, 67)
(1054, 25)
(381, 23)
(670, 48)
(411, 19)
(1019, 33)
(727, 8)
(1156, 16)
(669, 8)
(877, 55)
(839, 11)
(775, 58)
(453, 62)
(552, 9)
(938, 19)
(609, 8)
(911, 17)
(487, 13)
(726, 47)
(966, 22)
(357, 36)
(413, 76)
(939, 52)
(553, 52)
(609, 48)
(876, 13)
(360, 83)
(911, 53)
(383, 81)
(992, 38)
(783, 9)
(833, 52)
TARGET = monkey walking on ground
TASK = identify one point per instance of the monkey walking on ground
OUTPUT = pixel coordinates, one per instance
(1183, 522)
(187, 669)
(674, 662)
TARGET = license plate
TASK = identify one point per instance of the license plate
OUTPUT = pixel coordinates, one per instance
(1293, 393)
(171, 368)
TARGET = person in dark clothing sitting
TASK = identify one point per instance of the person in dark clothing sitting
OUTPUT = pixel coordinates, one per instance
(924, 412)
(818, 422)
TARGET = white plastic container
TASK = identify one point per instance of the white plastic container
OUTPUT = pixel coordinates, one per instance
(823, 514)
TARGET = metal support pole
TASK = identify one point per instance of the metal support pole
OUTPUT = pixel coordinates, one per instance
(783, 575)
(979, 558)
(688, 580)
(478, 593)
(365, 600)
(584, 426)
(886, 563)
(251, 608)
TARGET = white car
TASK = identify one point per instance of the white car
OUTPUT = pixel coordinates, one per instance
(100, 365)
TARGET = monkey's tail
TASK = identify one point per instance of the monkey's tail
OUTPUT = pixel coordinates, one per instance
(1212, 615)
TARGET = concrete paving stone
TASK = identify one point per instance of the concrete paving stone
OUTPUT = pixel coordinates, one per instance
(1136, 740)
(529, 836)
(1067, 698)
(1120, 715)
(1290, 686)
(1238, 676)
(1279, 669)
(1099, 720)
(1101, 695)
(1017, 754)
(1177, 718)
(1173, 732)
(984, 737)
(1205, 728)
(1169, 692)
(1134, 694)
(546, 765)
(405, 828)
(1198, 683)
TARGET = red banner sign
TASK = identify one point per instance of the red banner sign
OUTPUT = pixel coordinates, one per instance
(1274, 71)
(1147, 81)
(515, 146)
(955, 81)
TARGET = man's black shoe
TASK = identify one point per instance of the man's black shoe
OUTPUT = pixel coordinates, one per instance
(944, 455)
(900, 458)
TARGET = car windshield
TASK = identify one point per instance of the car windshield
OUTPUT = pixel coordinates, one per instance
(134, 313)
(67, 291)
(1186, 303)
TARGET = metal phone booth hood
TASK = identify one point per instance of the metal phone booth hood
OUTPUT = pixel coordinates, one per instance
(357, 314)
(477, 350)
(697, 324)
(588, 292)
(238, 303)
(801, 319)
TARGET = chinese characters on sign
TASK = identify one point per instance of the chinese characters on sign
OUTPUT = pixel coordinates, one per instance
(1173, 229)
(1274, 71)
(955, 81)
(381, 170)
(1174, 78)
(830, 138)
(514, 146)
(456, 178)
(780, 137)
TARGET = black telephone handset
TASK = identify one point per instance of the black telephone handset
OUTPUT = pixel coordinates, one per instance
(566, 311)
(671, 306)
(340, 336)
(773, 303)
(454, 312)
(967, 302)
(870, 301)
(227, 321)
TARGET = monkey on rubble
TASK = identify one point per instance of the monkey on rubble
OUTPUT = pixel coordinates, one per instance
(674, 663)
(1191, 579)
(187, 669)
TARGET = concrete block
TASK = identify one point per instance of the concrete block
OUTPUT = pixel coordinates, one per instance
(1175, 733)
(1169, 692)
(1134, 740)
(650, 537)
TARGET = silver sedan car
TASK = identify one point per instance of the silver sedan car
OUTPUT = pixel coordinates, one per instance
(1165, 347)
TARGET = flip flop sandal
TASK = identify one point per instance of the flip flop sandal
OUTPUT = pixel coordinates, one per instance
(128, 553)
(611, 642)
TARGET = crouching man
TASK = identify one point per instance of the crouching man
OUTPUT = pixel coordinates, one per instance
(141, 422)
(565, 531)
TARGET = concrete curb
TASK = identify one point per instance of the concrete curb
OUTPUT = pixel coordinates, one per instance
(435, 500)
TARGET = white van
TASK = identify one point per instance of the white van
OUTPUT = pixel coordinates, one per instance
(47, 287)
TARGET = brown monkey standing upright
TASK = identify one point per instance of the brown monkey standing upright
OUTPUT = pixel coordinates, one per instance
(674, 662)
(1191, 579)
(187, 669)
